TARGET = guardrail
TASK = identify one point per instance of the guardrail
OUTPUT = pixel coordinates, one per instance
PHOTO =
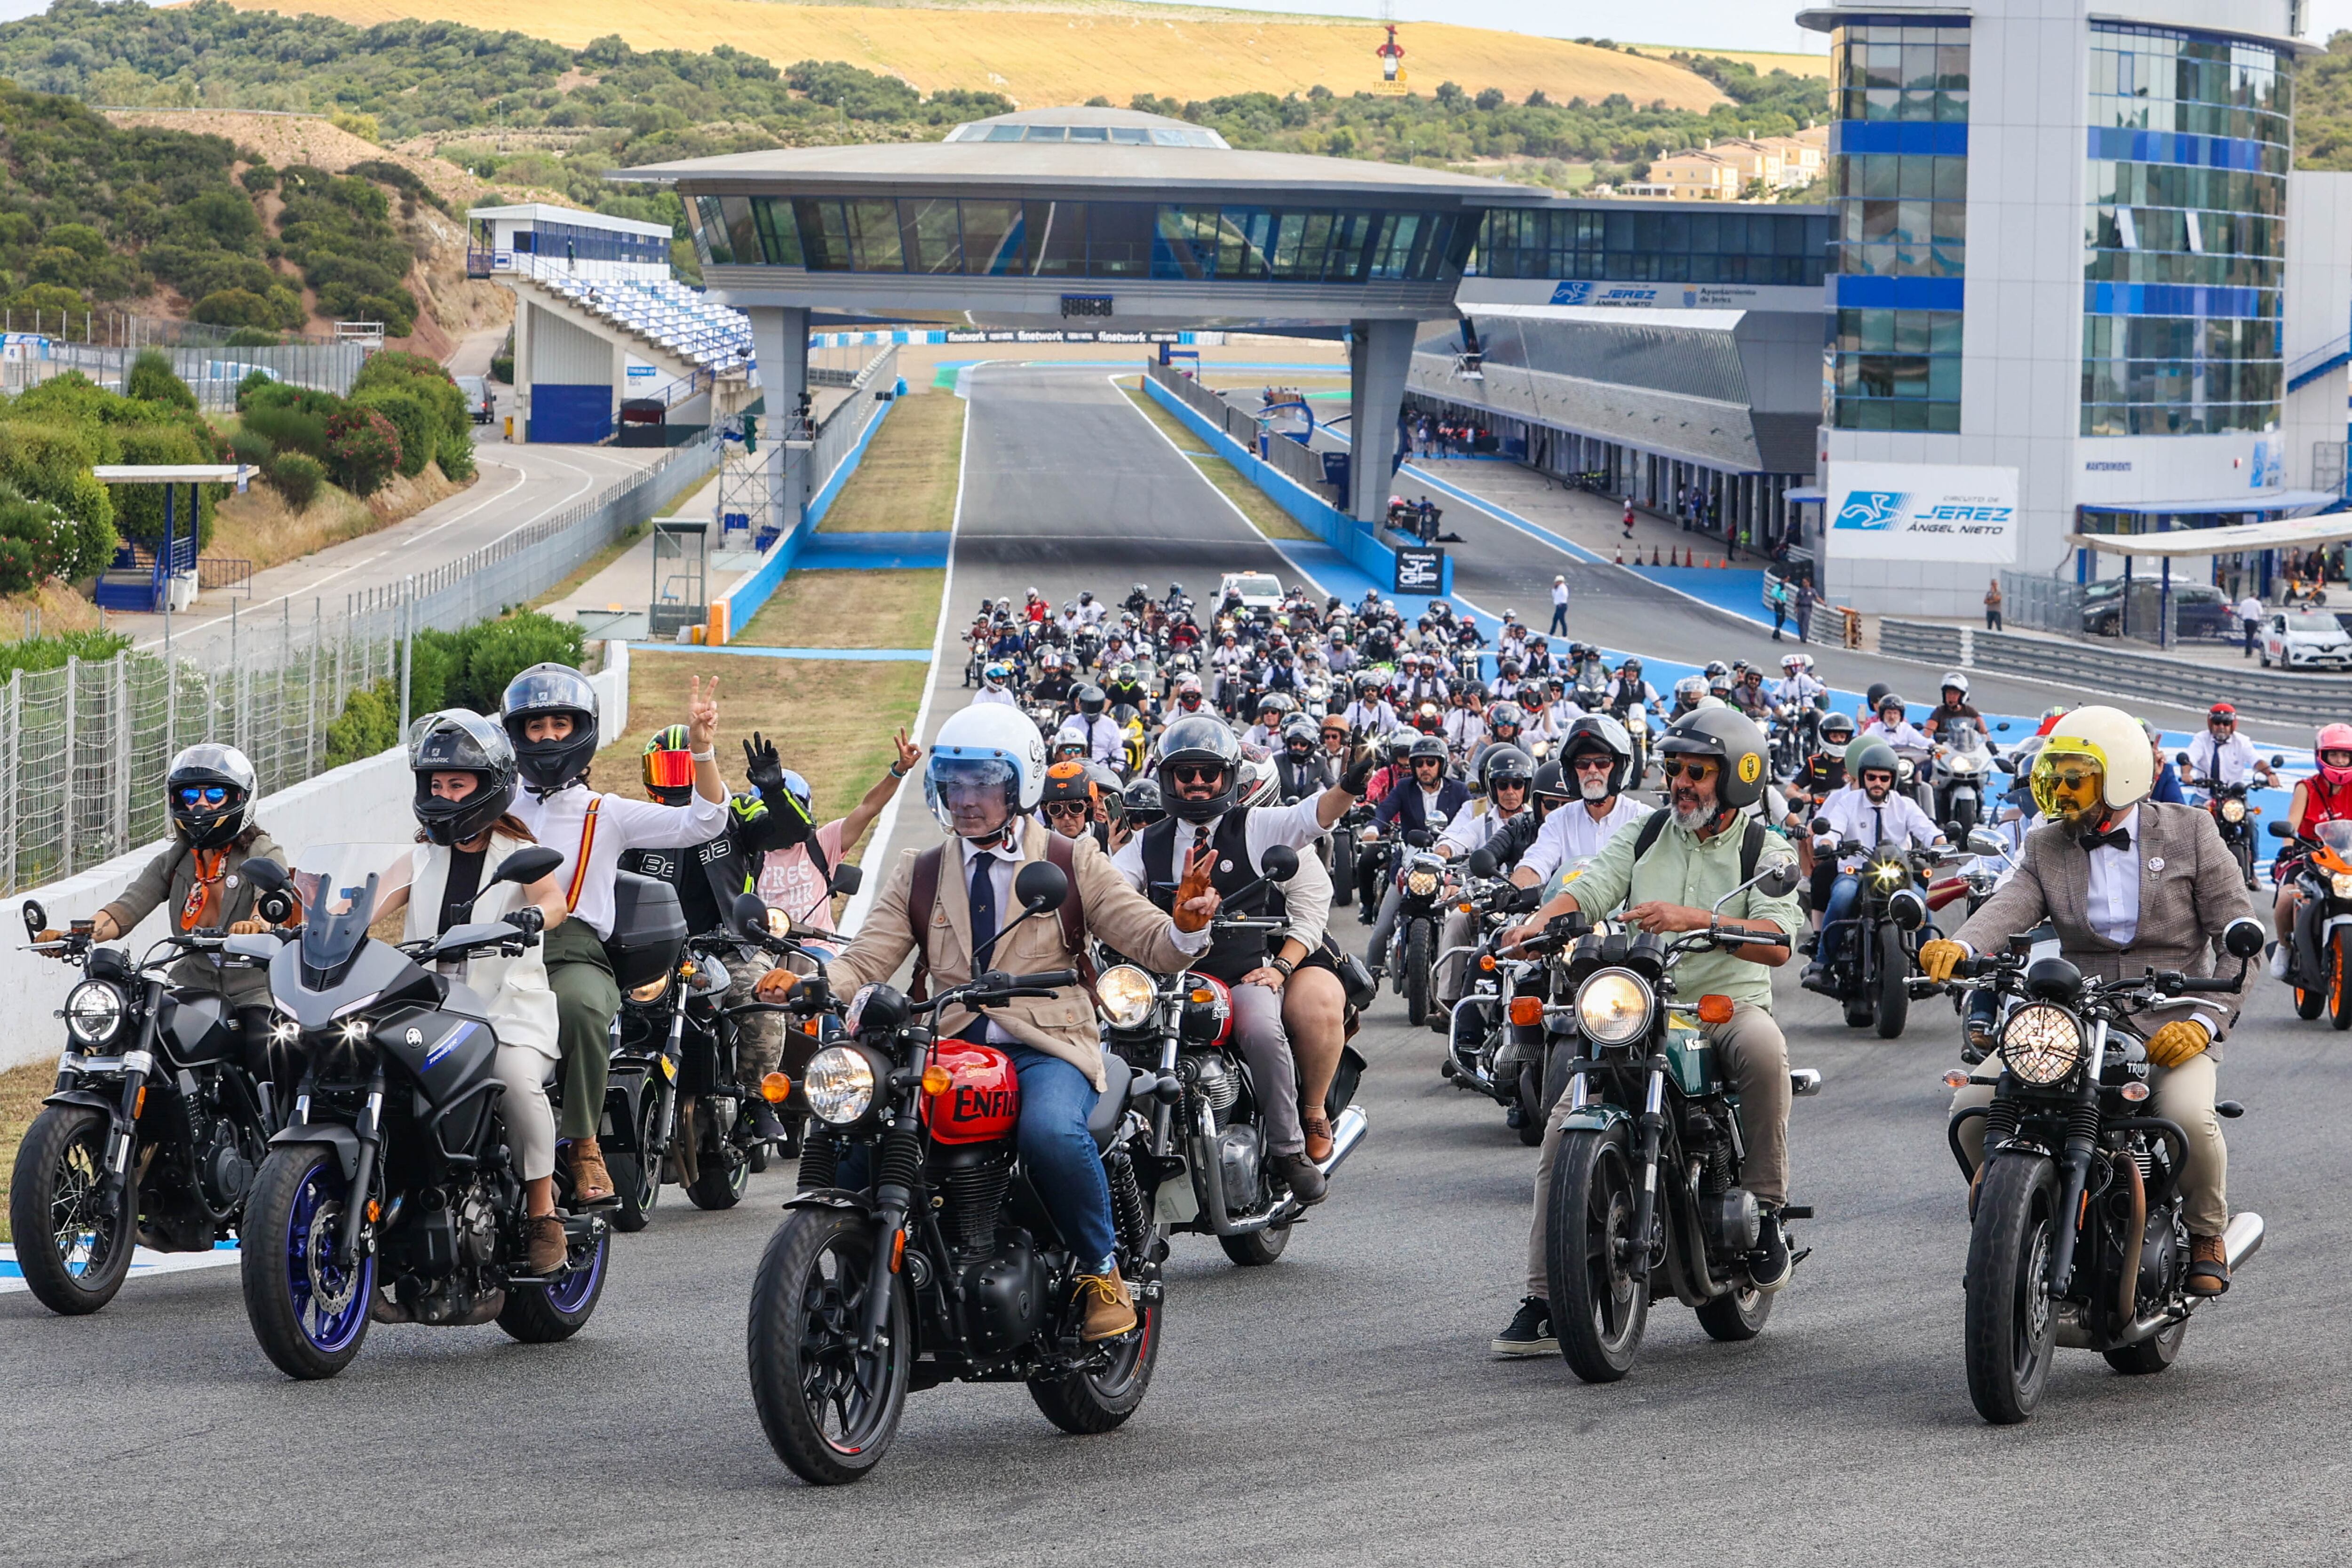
(2144, 678)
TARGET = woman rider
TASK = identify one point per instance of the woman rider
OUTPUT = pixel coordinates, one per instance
(465, 768)
(2325, 797)
(200, 881)
(550, 714)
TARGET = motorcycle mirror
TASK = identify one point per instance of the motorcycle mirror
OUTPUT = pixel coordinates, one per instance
(2002, 726)
(2181, 758)
(1040, 887)
(1779, 880)
(1279, 863)
(1984, 841)
(1482, 863)
(2005, 764)
(1420, 837)
(2278, 830)
(528, 865)
(847, 878)
(1907, 908)
(1953, 831)
(2277, 761)
(2242, 938)
(275, 906)
(1822, 825)
(266, 875)
(750, 912)
(37, 920)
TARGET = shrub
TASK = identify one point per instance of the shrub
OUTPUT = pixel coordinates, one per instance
(139, 509)
(259, 178)
(51, 462)
(253, 338)
(252, 446)
(412, 416)
(150, 380)
(369, 724)
(456, 456)
(255, 380)
(498, 651)
(296, 476)
(235, 308)
(32, 655)
(362, 449)
(293, 417)
(33, 535)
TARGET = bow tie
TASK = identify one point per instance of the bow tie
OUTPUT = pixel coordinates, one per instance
(2113, 838)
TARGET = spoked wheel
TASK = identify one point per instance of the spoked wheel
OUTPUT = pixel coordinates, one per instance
(2339, 983)
(1893, 973)
(308, 1304)
(540, 1315)
(1415, 969)
(74, 1258)
(1598, 1306)
(636, 1178)
(2151, 1356)
(829, 1410)
(2011, 1324)
(1738, 1316)
(1096, 1401)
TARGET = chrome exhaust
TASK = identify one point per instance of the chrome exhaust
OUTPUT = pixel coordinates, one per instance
(1348, 1132)
(2242, 1238)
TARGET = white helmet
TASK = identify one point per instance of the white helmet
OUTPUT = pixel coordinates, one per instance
(992, 741)
(2112, 742)
(1954, 678)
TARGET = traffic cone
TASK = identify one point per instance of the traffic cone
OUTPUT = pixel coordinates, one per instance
(1654, 555)
(1621, 555)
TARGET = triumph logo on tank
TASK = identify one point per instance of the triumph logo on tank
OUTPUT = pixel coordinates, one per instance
(1907, 511)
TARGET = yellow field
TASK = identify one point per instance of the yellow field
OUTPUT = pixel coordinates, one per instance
(1764, 63)
(1041, 57)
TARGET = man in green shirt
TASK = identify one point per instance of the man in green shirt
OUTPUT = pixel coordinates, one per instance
(1667, 878)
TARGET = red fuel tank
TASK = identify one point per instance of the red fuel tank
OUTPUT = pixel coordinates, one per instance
(982, 1099)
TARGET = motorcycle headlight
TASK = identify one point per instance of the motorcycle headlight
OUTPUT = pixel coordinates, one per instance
(2342, 882)
(1612, 1007)
(94, 1013)
(2233, 811)
(2041, 1043)
(839, 1085)
(1127, 994)
(651, 991)
(1421, 884)
(1887, 873)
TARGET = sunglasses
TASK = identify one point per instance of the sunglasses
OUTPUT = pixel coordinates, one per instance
(2221, 723)
(2074, 780)
(1594, 765)
(209, 794)
(1698, 770)
(1196, 773)
(1068, 809)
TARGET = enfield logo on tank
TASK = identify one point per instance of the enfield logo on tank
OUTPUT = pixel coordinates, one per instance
(1905, 511)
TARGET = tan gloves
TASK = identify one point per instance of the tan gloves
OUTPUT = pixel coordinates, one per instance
(1195, 904)
(2178, 1042)
(1940, 956)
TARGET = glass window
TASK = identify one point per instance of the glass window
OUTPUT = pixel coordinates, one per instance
(710, 233)
(931, 231)
(875, 244)
(824, 233)
(780, 239)
(1118, 239)
(992, 239)
(1047, 133)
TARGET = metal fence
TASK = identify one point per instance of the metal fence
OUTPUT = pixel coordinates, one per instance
(212, 373)
(2045, 604)
(746, 500)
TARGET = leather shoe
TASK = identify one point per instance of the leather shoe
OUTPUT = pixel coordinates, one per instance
(1298, 1173)
(1110, 1309)
(543, 1237)
(591, 1184)
(1317, 1128)
(2209, 1266)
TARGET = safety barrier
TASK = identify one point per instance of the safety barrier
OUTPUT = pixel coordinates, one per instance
(2143, 678)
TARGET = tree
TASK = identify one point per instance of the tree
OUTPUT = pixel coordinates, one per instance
(151, 381)
(362, 449)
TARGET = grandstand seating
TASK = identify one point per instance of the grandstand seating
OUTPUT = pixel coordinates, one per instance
(668, 313)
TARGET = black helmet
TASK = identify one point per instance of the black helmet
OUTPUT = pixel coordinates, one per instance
(1198, 739)
(1834, 726)
(1142, 801)
(1426, 746)
(549, 690)
(1548, 788)
(457, 741)
(1091, 701)
(1732, 738)
(209, 790)
(1596, 733)
(1504, 764)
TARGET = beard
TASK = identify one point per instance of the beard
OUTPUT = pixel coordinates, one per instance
(1592, 789)
(1691, 813)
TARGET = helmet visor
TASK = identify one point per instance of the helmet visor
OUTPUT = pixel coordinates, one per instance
(670, 770)
(2069, 778)
(544, 689)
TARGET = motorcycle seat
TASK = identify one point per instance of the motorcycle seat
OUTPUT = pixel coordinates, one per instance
(1117, 1081)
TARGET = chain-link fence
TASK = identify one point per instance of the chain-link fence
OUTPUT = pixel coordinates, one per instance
(213, 374)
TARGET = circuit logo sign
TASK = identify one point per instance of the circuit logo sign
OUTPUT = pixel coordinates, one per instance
(1871, 508)
(1921, 511)
(1577, 292)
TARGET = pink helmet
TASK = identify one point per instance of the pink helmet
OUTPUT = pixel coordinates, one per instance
(2333, 738)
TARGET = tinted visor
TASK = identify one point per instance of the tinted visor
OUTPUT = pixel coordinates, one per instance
(670, 770)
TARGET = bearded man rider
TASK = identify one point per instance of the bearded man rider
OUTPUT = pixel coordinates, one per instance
(2129, 885)
(1870, 814)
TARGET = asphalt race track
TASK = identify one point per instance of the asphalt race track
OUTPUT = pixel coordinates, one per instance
(1338, 1407)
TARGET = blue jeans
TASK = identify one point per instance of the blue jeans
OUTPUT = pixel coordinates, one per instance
(1837, 918)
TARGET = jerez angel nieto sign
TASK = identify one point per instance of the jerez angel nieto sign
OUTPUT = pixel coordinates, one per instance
(1890, 511)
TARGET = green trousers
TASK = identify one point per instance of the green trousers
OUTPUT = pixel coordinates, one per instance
(587, 997)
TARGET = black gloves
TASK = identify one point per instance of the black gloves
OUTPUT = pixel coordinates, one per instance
(763, 764)
(1360, 773)
(528, 920)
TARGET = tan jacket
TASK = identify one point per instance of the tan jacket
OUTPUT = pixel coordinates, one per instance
(2189, 891)
(1062, 1025)
(168, 880)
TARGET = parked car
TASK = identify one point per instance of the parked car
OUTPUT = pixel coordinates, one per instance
(478, 397)
(2200, 609)
(2304, 639)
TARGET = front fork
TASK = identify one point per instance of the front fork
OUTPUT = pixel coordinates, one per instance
(2075, 1169)
(1653, 1122)
(115, 1196)
(370, 1134)
(666, 1069)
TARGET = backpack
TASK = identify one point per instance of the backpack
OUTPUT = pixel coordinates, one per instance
(923, 896)
(1751, 842)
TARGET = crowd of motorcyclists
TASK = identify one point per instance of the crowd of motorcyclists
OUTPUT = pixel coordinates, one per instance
(1503, 809)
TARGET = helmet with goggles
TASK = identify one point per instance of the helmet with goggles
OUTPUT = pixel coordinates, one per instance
(2096, 760)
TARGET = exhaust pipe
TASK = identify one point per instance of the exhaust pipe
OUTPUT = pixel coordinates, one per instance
(1349, 1130)
(2242, 1238)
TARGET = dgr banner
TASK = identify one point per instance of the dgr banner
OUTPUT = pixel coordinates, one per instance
(1922, 511)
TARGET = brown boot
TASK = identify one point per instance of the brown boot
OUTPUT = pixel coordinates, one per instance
(2209, 1266)
(1317, 1128)
(1110, 1310)
(591, 1184)
(543, 1235)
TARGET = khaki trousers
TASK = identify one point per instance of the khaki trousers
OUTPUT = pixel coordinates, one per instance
(2181, 1095)
(1752, 1051)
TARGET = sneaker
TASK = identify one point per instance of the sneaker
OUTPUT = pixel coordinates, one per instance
(1306, 1183)
(766, 1125)
(1767, 1265)
(1110, 1309)
(2280, 954)
(1530, 1333)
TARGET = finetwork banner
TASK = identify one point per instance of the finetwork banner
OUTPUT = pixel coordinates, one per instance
(1921, 511)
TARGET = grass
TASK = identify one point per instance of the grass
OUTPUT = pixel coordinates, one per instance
(22, 1090)
(259, 527)
(849, 609)
(596, 563)
(1256, 504)
(906, 481)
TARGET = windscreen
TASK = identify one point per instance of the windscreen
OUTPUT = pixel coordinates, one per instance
(339, 885)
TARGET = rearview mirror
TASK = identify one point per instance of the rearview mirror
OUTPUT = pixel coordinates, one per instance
(1482, 863)
(2002, 726)
(1822, 825)
(528, 865)
(2181, 758)
(1779, 881)
(266, 875)
(1279, 863)
(37, 920)
(2243, 939)
(1041, 886)
(2278, 830)
(1984, 841)
(847, 878)
(750, 912)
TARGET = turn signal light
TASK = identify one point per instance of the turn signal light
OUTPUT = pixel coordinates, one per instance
(936, 1079)
(2135, 1091)
(897, 1249)
(375, 1211)
(1715, 1009)
(1204, 996)
(1486, 963)
(139, 1104)
(774, 1087)
(808, 1027)
(1527, 1012)
(1463, 909)
(1956, 1077)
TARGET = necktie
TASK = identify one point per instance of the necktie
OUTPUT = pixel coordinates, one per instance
(1878, 834)
(2113, 838)
(983, 900)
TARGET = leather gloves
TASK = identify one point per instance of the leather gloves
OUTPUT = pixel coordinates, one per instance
(1194, 885)
(762, 763)
(2178, 1042)
(1360, 773)
(1940, 956)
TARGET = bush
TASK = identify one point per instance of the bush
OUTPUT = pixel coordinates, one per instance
(251, 446)
(235, 308)
(51, 462)
(33, 535)
(254, 338)
(33, 655)
(369, 724)
(503, 367)
(255, 380)
(496, 651)
(412, 416)
(296, 476)
(139, 509)
(362, 449)
(151, 381)
(456, 456)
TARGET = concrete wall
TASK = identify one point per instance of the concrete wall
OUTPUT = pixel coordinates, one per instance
(360, 802)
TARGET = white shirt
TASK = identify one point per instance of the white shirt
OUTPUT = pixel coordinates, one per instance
(2230, 764)
(1105, 743)
(2250, 608)
(1571, 833)
(1472, 831)
(1560, 592)
(996, 694)
(1902, 735)
(621, 824)
(2113, 907)
(1897, 819)
(1797, 689)
(1371, 718)
(1294, 825)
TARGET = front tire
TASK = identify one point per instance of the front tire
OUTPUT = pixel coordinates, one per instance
(537, 1315)
(1893, 972)
(636, 1178)
(1090, 1403)
(1598, 1307)
(2339, 984)
(1415, 971)
(74, 1258)
(829, 1412)
(1531, 1113)
(308, 1311)
(1741, 1315)
(720, 1176)
(2011, 1325)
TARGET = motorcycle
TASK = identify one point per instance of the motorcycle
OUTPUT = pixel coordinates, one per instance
(1488, 1047)
(1425, 879)
(1371, 861)
(1867, 966)
(1203, 1168)
(1647, 1173)
(916, 1251)
(1963, 766)
(393, 1172)
(2077, 1236)
(154, 1130)
(2319, 953)
(2233, 814)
